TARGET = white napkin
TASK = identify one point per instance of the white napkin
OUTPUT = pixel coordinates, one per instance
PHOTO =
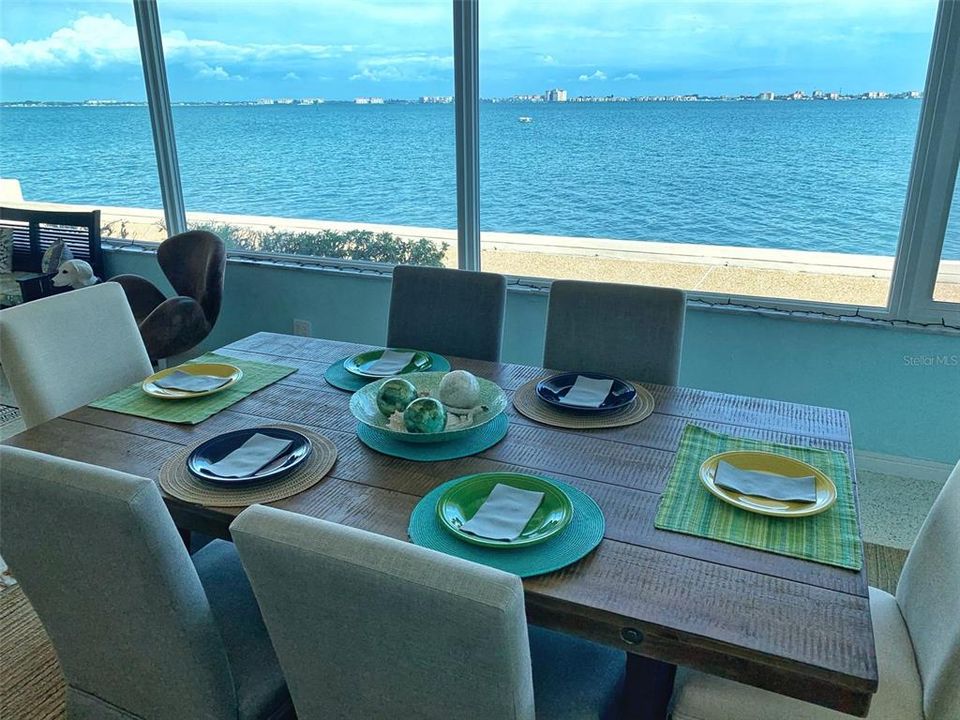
(587, 392)
(761, 484)
(256, 453)
(504, 514)
(179, 380)
(390, 363)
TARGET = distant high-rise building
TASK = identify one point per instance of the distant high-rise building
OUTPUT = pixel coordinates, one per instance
(797, 95)
(818, 94)
(766, 96)
(555, 95)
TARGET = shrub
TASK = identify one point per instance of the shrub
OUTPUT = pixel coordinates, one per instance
(382, 247)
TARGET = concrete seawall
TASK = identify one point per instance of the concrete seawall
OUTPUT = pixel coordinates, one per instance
(794, 274)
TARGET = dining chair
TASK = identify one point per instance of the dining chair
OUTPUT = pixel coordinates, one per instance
(64, 351)
(195, 264)
(452, 312)
(367, 626)
(630, 331)
(142, 630)
(917, 637)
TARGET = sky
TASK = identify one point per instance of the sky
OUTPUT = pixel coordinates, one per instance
(340, 49)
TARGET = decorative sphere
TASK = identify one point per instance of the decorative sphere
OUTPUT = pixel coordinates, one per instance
(394, 396)
(425, 415)
(459, 389)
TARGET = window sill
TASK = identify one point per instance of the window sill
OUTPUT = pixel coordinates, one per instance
(765, 307)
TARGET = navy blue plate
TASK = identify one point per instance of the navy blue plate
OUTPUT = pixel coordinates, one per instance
(215, 449)
(554, 388)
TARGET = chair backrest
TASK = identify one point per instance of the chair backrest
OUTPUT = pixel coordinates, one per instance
(102, 564)
(928, 594)
(367, 626)
(65, 351)
(195, 263)
(36, 230)
(631, 331)
(453, 312)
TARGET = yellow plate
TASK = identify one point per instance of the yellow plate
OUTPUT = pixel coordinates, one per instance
(216, 369)
(774, 464)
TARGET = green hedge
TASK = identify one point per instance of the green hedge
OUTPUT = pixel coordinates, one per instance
(382, 247)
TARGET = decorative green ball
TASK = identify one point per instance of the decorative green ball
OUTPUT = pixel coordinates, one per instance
(394, 396)
(425, 415)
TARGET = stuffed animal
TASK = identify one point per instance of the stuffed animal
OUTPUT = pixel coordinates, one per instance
(75, 274)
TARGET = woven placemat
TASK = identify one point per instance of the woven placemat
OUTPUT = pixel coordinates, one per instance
(177, 481)
(342, 379)
(582, 535)
(832, 537)
(472, 443)
(131, 400)
(527, 403)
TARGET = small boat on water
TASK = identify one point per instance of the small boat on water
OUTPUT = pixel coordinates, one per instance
(525, 119)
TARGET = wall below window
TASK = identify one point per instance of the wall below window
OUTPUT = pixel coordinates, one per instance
(901, 399)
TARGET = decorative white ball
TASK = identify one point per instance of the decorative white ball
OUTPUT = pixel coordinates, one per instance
(459, 389)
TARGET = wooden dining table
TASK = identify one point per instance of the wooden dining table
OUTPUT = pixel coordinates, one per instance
(788, 625)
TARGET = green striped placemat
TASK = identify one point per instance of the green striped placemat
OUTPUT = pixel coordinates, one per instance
(832, 537)
(133, 401)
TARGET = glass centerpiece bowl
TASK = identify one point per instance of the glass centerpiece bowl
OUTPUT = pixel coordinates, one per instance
(460, 421)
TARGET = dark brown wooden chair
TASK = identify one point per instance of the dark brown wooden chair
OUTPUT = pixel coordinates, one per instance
(194, 263)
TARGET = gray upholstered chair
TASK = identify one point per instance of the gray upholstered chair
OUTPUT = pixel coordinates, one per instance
(453, 312)
(631, 331)
(917, 635)
(140, 630)
(65, 351)
(366, 626)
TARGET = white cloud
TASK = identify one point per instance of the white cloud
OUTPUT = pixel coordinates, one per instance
(546, 60)
(628, 76)
(99, 40)
(291, 76)
(597, 75)
(402, 67)
(214, 72)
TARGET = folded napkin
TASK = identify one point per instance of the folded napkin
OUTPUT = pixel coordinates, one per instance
(587, 392)
(390, 363)
(255, 454)
(775, 487)
(179, 380)
(504, 514)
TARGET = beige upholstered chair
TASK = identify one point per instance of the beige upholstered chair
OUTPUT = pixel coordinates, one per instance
(370, 627)
(65, 351)
(142, 630)
(917, 636)
(631, 331)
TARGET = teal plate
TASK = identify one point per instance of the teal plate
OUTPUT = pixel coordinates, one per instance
(463, 499)
(363, 405)
(421, 362)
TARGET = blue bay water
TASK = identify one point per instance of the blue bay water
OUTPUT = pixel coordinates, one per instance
(826, 176)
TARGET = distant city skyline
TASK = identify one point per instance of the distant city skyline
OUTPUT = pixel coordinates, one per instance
(63, 50)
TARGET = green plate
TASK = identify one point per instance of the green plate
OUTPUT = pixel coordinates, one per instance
(363, 405)
(421, 362)
(462, 500)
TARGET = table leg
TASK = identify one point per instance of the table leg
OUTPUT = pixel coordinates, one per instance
(647, 688)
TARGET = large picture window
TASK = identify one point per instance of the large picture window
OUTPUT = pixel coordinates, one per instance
(323, 129)
(74, 126)
(674, 144)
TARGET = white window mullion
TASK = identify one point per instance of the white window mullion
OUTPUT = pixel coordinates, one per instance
(932, 177)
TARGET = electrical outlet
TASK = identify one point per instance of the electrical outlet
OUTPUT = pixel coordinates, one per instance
(302, 328)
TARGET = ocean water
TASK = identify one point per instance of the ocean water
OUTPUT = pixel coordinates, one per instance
(812, 176)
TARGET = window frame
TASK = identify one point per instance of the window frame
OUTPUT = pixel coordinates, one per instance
(926, 207)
